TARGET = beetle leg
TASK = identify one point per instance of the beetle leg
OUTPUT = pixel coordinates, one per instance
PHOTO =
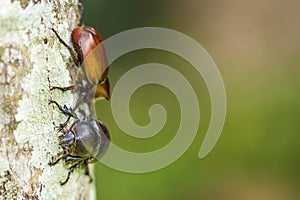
(80, 8)
(64, 109)
(63, 125)
(64, 89)
(70, 158)
(87, 171)
(73, 54)
(79, 100)
(71, 169)
(83, 113)
(66, 157)
(54, 162)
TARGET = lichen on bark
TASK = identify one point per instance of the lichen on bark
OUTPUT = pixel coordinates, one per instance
(32, 60)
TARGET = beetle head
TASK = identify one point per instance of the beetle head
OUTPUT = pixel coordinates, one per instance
(67, 140)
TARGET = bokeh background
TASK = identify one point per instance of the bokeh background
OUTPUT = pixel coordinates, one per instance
(256, 45)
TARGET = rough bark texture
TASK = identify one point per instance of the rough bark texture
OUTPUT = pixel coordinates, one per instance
(32, 59)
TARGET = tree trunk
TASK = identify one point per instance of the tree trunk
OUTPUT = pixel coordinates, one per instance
(32, 60)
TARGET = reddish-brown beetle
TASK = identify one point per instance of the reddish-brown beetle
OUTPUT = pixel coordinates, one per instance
(87, 43)
(90, 55)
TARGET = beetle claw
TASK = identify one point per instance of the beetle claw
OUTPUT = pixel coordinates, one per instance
(51, 163)
(64, 182)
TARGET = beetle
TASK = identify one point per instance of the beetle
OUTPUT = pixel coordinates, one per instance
(90, 55)
(85, 141)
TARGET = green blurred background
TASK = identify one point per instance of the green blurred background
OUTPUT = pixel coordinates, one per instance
(256, 45)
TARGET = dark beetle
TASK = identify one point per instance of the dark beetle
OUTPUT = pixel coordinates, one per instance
(85, 141)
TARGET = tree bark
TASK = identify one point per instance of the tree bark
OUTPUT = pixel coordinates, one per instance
(32, 60)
